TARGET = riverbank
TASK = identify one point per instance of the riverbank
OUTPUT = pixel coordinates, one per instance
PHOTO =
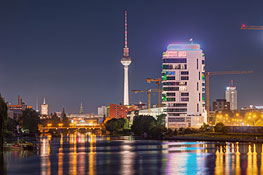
(231, 137)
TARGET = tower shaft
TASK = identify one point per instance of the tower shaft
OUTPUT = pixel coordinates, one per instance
(126, 86)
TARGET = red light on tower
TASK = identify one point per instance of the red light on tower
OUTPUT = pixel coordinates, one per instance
(243, 25)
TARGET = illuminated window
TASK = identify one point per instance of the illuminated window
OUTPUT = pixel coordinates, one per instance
(170, 94)
(175, 60)
(185, 78)
(182, 88)
(184, 66)
(184, 72)
(185, 99)
(174, 114)
(170, 78)
(176, 119)
(185, 94)
(181, 83)
(170, 88)
(167, 67)
(177, 110)
(170, 73)
(182, 53)
(171, 53)
(177, 105)
(168, 83)
(170, 99)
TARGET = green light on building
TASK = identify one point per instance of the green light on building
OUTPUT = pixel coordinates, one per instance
(203, 76)
(164, 77)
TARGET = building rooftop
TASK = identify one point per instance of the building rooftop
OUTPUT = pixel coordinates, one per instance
(183, 47)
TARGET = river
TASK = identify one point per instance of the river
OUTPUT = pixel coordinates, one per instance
(89, 154)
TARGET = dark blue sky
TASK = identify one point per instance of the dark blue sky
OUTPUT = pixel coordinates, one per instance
(69, 51)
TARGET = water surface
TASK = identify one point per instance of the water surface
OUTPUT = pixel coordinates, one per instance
(89, 154)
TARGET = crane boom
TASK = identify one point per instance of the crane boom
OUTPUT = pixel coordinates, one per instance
(207, 77)
(229, 72)
(149, 91)
(244, 27)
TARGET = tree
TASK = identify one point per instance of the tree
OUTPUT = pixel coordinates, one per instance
(115, 125)
(3, 118)
(11, 125)
(55, 120)
(220, 127)
(30, 120)
(205, 128)
(161, 120)
(64, 117)
(143, 124)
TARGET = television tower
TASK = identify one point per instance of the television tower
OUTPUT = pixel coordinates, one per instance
(126, 61)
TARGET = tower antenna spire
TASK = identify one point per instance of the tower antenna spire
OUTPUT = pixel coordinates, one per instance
(126, 49)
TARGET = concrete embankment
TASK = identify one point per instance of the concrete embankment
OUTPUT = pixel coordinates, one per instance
(217, 138)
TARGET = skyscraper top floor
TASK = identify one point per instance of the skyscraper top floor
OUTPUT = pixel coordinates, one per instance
(183, 47)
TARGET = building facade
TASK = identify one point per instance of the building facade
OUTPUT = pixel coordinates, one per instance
(120, 111)
(15, 111)
(231, 97)
(183, 85)
(102, 110)
(221, 105)
(152, 112)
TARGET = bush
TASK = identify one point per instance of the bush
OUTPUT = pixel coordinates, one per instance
(169, 133)
(205, 128)
(220, 127)
(190, 130)
(157, 132)
(175, 132)
(181, 131)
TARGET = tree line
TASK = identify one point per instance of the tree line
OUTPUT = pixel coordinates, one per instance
(154, 128)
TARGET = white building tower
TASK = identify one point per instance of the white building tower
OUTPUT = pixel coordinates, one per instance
(231, 96)
(44, 108)
(126, 61)
(183, 84)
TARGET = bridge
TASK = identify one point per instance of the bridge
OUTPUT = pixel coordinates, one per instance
(71, 127)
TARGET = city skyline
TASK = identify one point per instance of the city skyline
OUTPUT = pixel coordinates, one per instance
(71, 58)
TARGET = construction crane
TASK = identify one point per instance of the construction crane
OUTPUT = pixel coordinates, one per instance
(207, 77)
(149, 91)
(158, 82)
(244, 27)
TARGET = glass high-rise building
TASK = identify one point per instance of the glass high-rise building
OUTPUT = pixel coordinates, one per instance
(183, 85)
(231, 97)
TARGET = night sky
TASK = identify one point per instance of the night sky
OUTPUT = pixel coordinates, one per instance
(69, 51)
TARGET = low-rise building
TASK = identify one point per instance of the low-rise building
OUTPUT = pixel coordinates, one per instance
(15, 111)
(221, 105)
(120, 111)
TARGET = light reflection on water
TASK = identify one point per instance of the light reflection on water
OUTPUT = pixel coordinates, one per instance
(80, 154)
